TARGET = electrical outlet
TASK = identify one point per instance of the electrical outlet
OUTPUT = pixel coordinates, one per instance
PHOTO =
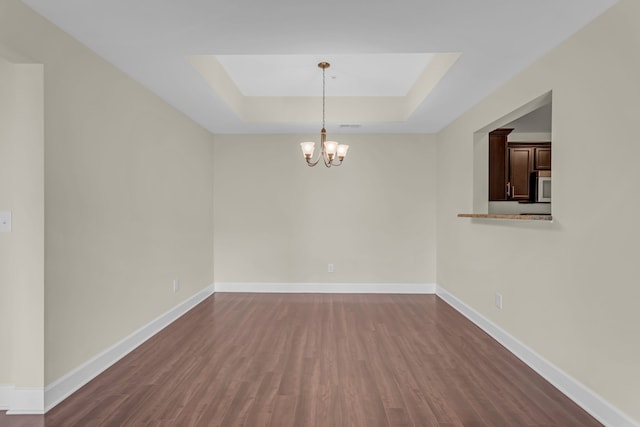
(499, 300)
(176, 285)
(330, 268)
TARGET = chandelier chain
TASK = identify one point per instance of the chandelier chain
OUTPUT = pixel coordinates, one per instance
(323, 95)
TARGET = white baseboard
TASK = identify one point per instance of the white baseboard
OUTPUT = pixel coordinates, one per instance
(64, 386)
(324, 288)
(587, 399)
(21, 401)
(6, 396)
(27, 401)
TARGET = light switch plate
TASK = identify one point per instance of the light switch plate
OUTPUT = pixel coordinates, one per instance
(5, 221)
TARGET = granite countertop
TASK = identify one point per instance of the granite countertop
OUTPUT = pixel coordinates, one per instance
(528, 217)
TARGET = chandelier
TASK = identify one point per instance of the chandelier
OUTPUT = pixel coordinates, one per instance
(330, 149)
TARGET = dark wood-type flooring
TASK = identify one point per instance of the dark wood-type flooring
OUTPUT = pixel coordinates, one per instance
(21, 420)
(320, 360)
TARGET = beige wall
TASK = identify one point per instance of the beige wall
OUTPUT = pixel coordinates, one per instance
(22, 250)
(570, 287)
(277, 220)
(6, 120)
(128, 196)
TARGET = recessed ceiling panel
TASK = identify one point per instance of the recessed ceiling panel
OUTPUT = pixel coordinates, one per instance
(349, 75)
(289, 102)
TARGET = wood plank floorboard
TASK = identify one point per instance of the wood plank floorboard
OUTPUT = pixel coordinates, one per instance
(21, 420)
(319, 360)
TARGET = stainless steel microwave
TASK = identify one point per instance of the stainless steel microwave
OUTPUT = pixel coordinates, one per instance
(543, 186)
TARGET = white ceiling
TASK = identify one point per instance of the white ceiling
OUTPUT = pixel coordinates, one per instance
(151, 40)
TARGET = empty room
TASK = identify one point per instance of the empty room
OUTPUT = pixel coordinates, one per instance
(419, 213)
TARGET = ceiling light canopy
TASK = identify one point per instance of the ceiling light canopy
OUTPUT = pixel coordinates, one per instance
(329, 149)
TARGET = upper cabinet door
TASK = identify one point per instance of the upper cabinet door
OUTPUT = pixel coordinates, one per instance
(543, 158)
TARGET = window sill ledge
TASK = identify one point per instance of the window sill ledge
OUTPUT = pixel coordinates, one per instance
(536, 217)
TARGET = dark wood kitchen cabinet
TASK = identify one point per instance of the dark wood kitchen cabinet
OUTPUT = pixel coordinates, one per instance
(542, 158)
(511, 166)
(498, 164)
(520, 168)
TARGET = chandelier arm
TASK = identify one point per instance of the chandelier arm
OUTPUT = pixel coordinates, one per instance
(322, 154)
(336, 164)
(325, 157)
(312, 164)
